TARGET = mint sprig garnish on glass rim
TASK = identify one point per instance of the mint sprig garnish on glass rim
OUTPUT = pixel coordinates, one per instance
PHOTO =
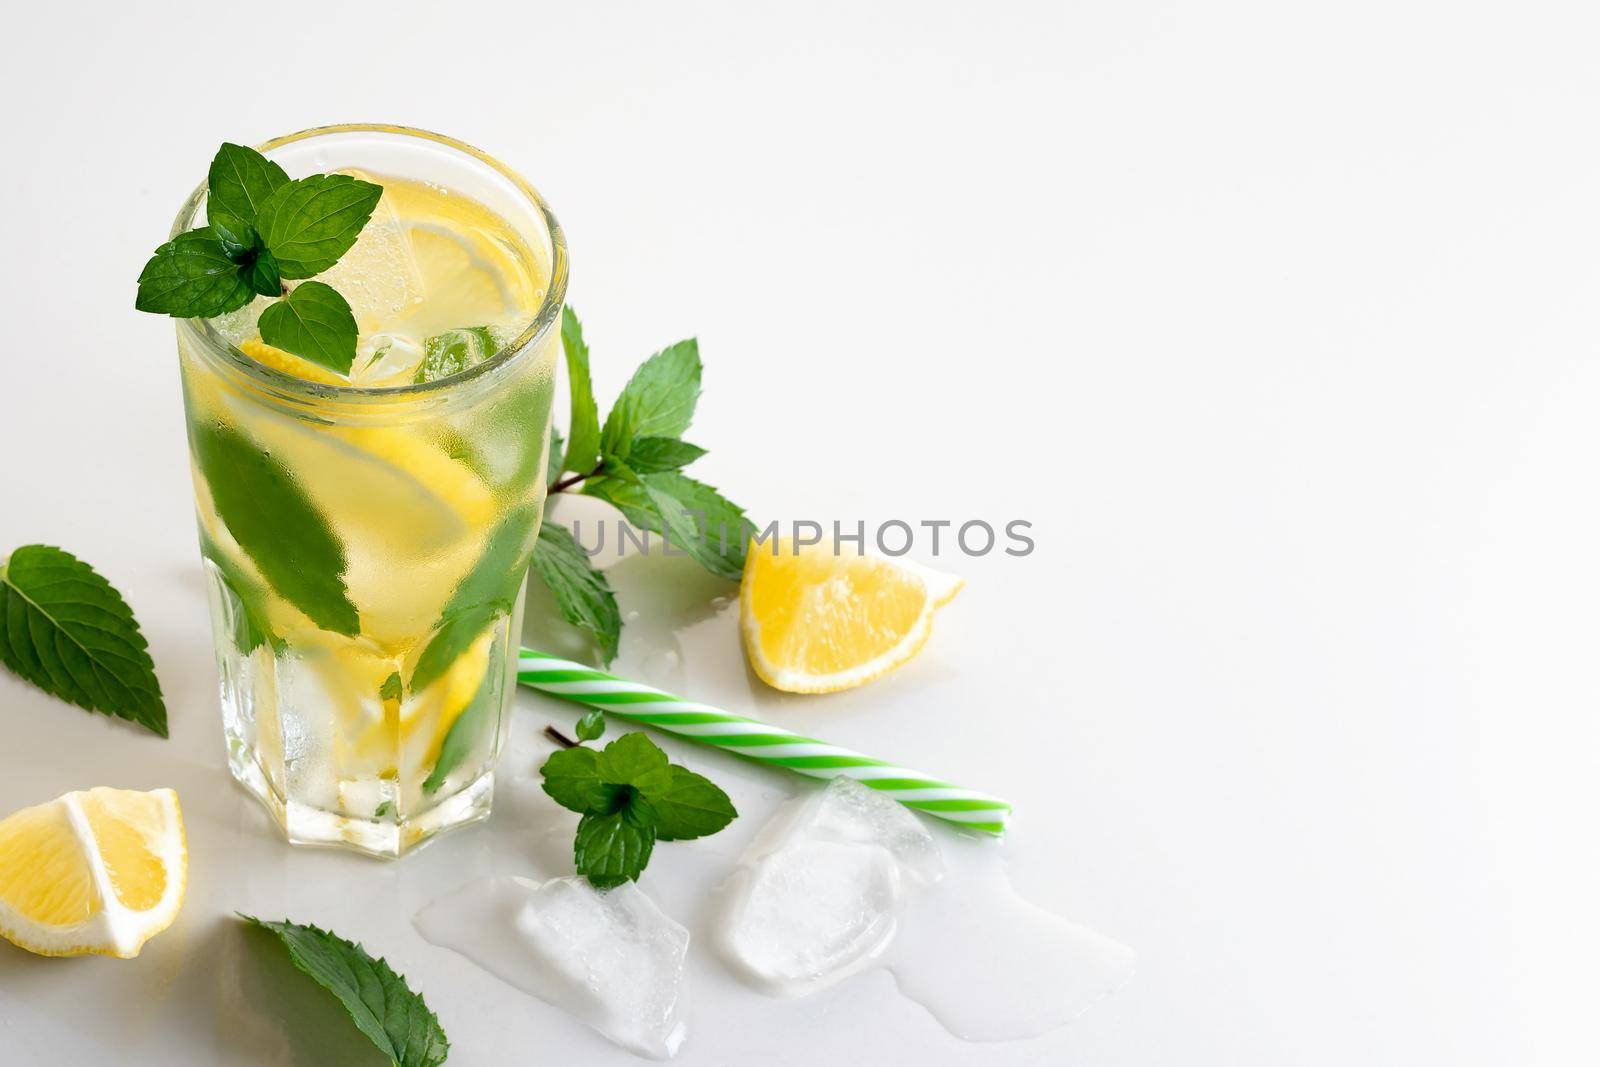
(263, 230)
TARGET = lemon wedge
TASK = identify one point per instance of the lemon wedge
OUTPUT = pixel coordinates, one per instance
(816, 622)
(100, 871)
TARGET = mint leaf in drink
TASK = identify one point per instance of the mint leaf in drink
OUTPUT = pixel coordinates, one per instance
(392, 688)
(454, 351)
(239, 182)
(688, 806)
(263, 276)
(250, 629)
(615, 847)
(592, 726)
(581, 591)
(381, 1004)
(583, 451)
(191, 276)
(308, 224)
(488, 591)
(276, 525)
(658, 401)
(315, 323)
(652, 455)
(464, 734)
(66, 630)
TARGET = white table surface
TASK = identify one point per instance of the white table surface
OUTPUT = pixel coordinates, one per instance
(1278, 323)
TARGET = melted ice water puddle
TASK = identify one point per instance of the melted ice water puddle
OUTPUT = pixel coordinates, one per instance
(846, 879)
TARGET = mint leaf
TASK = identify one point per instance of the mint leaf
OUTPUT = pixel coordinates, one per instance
(237, 237)
(614, 848)
(313, 322)
(454, 351)
(464, 734)
(276, 525)
(392, 688)
(250, 629)
(554, 457)
(191, 276)
(581, 591)
(632, 759)
(308, 224)
(583, 451)
(239, 182)
(263, 276)
(658, 400)
(66, 630)
(379, 1001)
(592, 725)
(572, 778)
(688, 806)
(690, 514)
(487, 591)
(649, 455)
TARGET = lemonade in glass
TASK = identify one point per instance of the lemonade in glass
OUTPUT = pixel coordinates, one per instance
(366, 536)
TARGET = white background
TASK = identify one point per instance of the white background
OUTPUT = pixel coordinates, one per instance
(1277, 320)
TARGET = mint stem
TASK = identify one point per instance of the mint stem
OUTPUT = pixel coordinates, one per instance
(559, 738)
(563, 484)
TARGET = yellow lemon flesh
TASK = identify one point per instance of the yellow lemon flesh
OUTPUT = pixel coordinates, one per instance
(815, 622)
(100, 871)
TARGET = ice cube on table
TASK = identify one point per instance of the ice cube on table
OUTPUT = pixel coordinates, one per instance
(819, 893)
(612, 959)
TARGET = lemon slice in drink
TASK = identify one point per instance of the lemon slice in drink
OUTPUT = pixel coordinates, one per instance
(817, 622)
(100, 871)
(291, 364)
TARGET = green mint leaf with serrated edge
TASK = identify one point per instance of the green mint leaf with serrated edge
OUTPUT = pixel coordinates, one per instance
(308, 224)
(470, 728)
(191, 276)
(315, 323)
(615, 847)
(392, 688)
(572, 779)
(454, 351)
(652, 455)
(487, 592)
(239, 182)
(632, 759)
(688, 806)
(262, 275)
(581, 591)
(658, 401)
(554, 457)
(592, 726)
(276, 525)
(691, 515)
(583, 450)
(381, 1004)
(65, 629)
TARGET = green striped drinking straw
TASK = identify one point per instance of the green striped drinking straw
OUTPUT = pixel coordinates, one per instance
(757, 740)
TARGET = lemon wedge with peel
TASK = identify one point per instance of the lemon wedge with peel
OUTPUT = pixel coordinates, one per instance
(100, 871)
(816, 622)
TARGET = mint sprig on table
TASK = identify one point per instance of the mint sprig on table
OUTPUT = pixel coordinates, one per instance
(635, 463)
(630, 797)
(381, 1004)
(262, 229)
(65, 629)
